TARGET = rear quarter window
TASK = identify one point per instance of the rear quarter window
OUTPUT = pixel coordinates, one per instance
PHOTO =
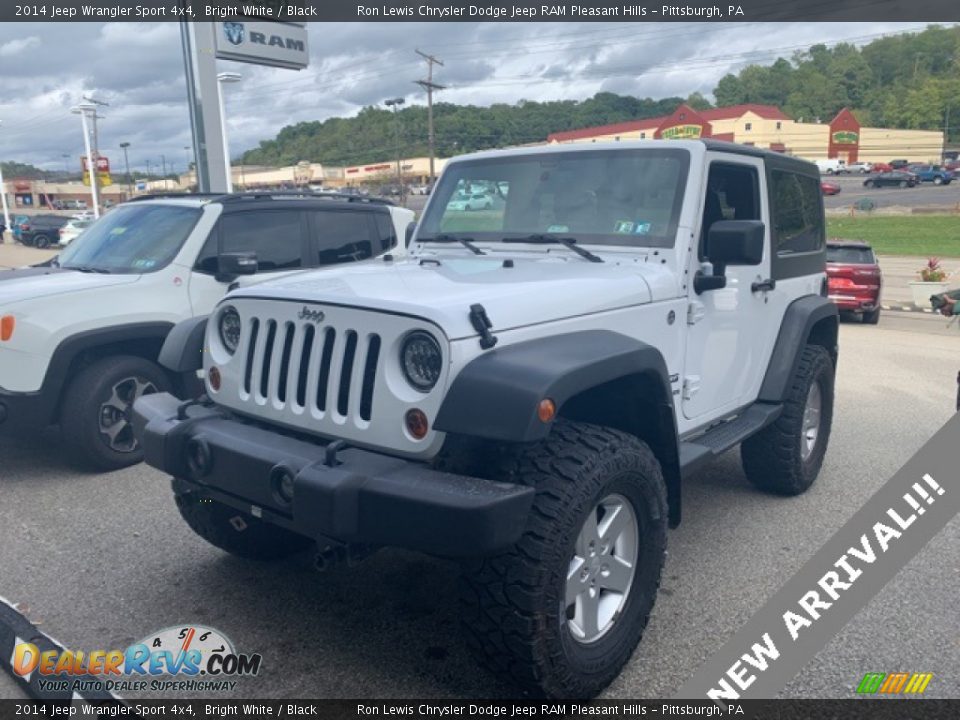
(343, 236)
(798, 224)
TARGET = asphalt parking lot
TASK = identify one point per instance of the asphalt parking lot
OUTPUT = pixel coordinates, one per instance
(921, 196)
(103, 560)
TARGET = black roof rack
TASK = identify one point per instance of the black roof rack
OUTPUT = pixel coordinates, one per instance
(163, 195)
(307, 194)
(265, 195)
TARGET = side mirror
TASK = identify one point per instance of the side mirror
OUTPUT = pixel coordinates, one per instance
(232, 265)
(411, 229)
(730, 242)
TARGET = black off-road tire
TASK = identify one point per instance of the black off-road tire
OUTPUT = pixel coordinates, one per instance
(772, 459)
(872, 317)
(512, 603)
(236, 532)
(81, 410)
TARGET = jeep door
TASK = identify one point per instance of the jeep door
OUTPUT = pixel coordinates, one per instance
(278, 237)
(730, 331)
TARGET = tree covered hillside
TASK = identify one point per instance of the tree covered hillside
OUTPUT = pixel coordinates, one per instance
(907, 81)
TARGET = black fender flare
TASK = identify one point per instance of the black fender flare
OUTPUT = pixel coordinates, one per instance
(809, 318)
(182, 351)
(496, 396)
(72, 347)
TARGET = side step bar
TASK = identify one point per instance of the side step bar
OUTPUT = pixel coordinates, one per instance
(700, 450)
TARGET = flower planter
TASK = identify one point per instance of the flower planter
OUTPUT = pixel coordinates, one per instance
(923, 290)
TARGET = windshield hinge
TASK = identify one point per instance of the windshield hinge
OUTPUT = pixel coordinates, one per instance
(481, 323)
(695, 312)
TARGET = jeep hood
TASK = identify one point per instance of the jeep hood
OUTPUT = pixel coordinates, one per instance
(38, 282)
(443, 289)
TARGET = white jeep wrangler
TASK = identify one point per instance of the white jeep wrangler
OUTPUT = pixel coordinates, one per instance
(81, 333)
(525, 391)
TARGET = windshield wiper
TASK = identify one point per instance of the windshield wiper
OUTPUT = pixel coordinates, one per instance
(568, 243)
(86, 269)
(465, 241)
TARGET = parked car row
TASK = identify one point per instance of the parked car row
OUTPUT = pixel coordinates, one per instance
(925, 172)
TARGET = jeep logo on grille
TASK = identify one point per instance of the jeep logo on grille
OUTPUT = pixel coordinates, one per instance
(311, 315)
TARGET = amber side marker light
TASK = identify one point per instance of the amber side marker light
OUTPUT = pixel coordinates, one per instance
(7, 324)
(417, 424)
(214, 377)
(546, 410)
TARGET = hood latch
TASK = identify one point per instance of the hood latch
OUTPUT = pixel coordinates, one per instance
(481, 323)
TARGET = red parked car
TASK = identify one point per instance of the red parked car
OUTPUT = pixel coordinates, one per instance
(854, 280)
(829, 188)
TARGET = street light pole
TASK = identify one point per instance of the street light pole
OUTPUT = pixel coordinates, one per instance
(83, 109)
(225, 78)
(3, 201)
(395, 103)
(126, 162)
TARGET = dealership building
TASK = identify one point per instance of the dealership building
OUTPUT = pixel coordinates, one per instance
(768, 127)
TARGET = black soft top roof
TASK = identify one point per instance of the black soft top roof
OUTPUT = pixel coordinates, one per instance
(784, 162)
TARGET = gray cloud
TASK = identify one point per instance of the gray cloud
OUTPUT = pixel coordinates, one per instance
(45, 68)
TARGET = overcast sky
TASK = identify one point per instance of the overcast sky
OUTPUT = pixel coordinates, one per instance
(138, 70)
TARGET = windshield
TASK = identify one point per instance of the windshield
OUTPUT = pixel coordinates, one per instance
(132, 239)
(611, 197)
(851, 255)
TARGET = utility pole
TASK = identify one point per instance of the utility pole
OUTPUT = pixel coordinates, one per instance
(85, 110)
(396, 103)
(163, 159)
(429, 85)
(95, 171)
(126, 162)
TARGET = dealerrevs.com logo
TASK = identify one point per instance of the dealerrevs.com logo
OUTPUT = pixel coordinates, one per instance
(199, 658)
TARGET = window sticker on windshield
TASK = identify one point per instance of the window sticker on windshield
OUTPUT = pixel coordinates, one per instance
(623, 227)
(558, 228)
(642, 228)
(144, 264)
(118, 231)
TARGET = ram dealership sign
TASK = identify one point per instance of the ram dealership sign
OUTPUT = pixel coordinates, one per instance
(263, 43)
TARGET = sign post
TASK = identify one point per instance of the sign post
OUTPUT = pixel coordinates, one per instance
(253, 41)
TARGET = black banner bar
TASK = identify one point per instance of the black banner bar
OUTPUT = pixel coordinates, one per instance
(477, 11)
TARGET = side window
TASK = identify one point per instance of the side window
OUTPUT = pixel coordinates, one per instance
(275, 236)
(343, 236)
(386, 234)
(797, 215)
(733, 193)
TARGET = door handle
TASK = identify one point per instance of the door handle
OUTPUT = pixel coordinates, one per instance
(765, 285)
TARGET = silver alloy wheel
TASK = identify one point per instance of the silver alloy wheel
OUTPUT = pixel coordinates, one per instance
(811, 421)
(601, 570)
(116, 413)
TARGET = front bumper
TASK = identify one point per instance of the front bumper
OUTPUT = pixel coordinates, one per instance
(352, 496)
(23, 412)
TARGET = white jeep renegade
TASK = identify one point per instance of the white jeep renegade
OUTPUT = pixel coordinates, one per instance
(526, 391)
(80, 334)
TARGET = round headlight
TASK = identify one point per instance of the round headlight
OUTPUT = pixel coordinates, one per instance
(421, 360)
(230, 329)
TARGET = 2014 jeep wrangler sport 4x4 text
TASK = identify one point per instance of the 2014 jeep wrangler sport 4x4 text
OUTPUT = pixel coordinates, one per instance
(525, 391)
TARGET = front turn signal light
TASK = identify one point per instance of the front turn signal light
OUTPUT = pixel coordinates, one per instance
(7, 324)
